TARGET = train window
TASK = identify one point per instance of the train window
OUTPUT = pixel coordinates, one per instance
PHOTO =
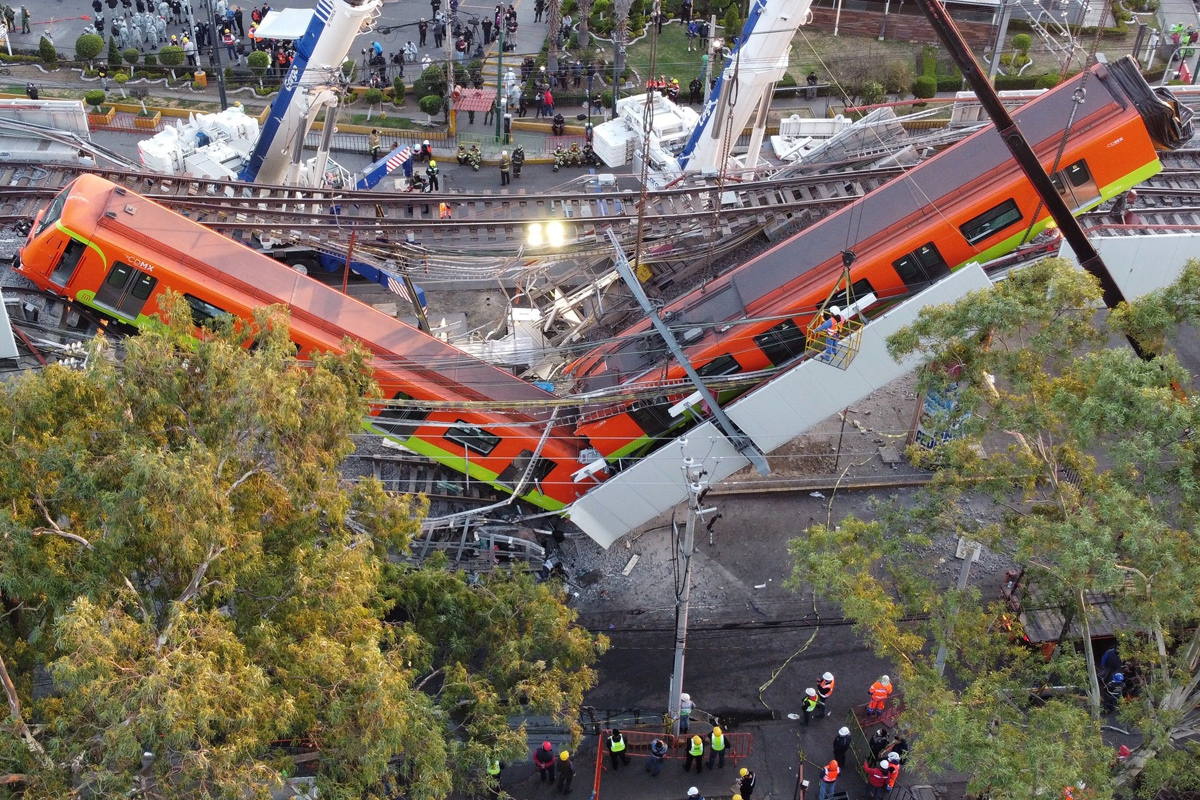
(782, 343)
(991, 221)
(202, 312)
(68, 262)
(511, 474)
(653, 420)
(472, 437)
(143, 285)
(722, 365)
(400, 421)
(921, 267)
(54, 210)
(1076, 185)
(860, 288)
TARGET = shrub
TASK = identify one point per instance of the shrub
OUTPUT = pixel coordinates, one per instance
(46, 51)
(929, 61)
(732, 22)
(1022, 42)
(570, 7)
(431, 104)
(924, 87)
(951, 83)
(171, 56)
(397, 91)
(258, 62)
(606, 98)
(263, 91)
(1047, 81)
(872, 93)
(373, 96)
(788, 80)
(131, 55)
(150, 59)
(895, 77)
(95, 99)
(88, 46)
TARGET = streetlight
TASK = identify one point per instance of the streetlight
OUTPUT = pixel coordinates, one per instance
(215, 61)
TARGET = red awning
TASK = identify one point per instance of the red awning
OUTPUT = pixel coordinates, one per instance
(475, 100)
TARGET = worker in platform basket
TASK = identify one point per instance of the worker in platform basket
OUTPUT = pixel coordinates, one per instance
(832, 328)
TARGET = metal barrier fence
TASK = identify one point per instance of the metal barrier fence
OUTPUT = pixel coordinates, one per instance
(637, 745)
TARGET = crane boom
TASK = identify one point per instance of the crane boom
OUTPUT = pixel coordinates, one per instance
(746, 82)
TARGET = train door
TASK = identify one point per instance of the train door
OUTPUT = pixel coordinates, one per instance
(921, 267)
(1076, 185)
(67, 262)
(125, 290)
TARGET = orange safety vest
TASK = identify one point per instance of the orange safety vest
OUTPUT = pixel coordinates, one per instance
(825, 688)
(831, 772)
(879, 691)
(893, 773)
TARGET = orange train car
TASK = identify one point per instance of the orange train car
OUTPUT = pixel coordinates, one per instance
(970, 203)
(114, 251)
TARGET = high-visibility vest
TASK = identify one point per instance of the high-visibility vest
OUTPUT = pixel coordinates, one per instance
(893, 773)
(825, 688)
(718, 742)
(697, 748)
(616, 744)
(493, 767)
(831, 773)
(880, 691)
(810, 703)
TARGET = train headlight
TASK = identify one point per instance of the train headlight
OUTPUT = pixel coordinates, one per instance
(534, 239)
(555, 233)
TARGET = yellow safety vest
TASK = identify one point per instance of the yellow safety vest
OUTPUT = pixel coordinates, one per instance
(696, 749)
(617, 744)
(718, 742)
(493, 768)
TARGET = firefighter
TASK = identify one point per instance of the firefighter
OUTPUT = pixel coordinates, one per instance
(431, 173)
(518, 160)
(881, 689)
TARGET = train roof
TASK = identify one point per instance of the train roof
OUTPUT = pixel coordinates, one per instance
(953, 171)
(233, 267)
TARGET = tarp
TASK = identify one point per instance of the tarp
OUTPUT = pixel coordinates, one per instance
(286, 23)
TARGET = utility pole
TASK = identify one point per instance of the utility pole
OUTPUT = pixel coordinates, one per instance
(448, 48)
(214, 38)
(1001, 33)
(693, 476)
(500, 82)
(964, 575)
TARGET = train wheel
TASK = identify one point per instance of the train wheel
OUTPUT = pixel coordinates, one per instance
(305, 266)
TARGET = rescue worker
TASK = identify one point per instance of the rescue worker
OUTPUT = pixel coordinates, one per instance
(878, 744)
(685, 703)
(841, 745)
(574, 155)
(493, 771)
(694, 794)
(475, 158)
(616, 740)
(1114, 690)
(544, 759)
(882, 688)
(658, 751)
(829, 778)
(560, 158)
(505, 168)
(812, 706)
(373, 144)
(558, 125)
(893, 771)
(426, 151)
(876, 779)
(431, 173)
(461, 155)
(716, 748)
(444, 211)
(825, 687)
(518, 160)
(695, 753)
(832, 327)
(745, 783)
(566, 772)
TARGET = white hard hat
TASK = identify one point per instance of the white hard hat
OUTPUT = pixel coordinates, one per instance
(685, 696)
(894, 757)
(844, 732)
(835, 311)
(828, 676)
(884, 764)
(503, 152)
(885, 679)
(811, 692)
(692, 792)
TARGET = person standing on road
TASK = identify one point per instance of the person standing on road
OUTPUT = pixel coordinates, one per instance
(694, 794)
(829, 778)
(616, 740)
(431, 172)
(422, 31)
(841, 746)
(102, 71)
(505, 168)
(877, 779)
(25, 20)
(745, 783)
(812, 706)
(566, 772)
(373, 144)
(881, 689)
(658, 751)
(878, 744)
(716, 749)
(685, 711)
(825, 687)
(544, 759)
(695, 753)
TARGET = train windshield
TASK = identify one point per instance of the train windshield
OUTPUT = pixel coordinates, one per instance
(54, 210)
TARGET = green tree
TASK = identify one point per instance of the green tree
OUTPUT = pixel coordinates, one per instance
(398, 91)
(430, 104)
(131, 55)
(121, 79)
(1022, 42)
(732, 22)
(88, 46)
(432, 80)
(924, 87)
(114, 54)
(1085, 453)
(258, 61)
(206, 585)
(373, 97)
(46, 52)
(95, 99)
(171, 57)
(872, 93)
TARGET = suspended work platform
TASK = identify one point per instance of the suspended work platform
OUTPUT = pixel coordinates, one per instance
(771, 415)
